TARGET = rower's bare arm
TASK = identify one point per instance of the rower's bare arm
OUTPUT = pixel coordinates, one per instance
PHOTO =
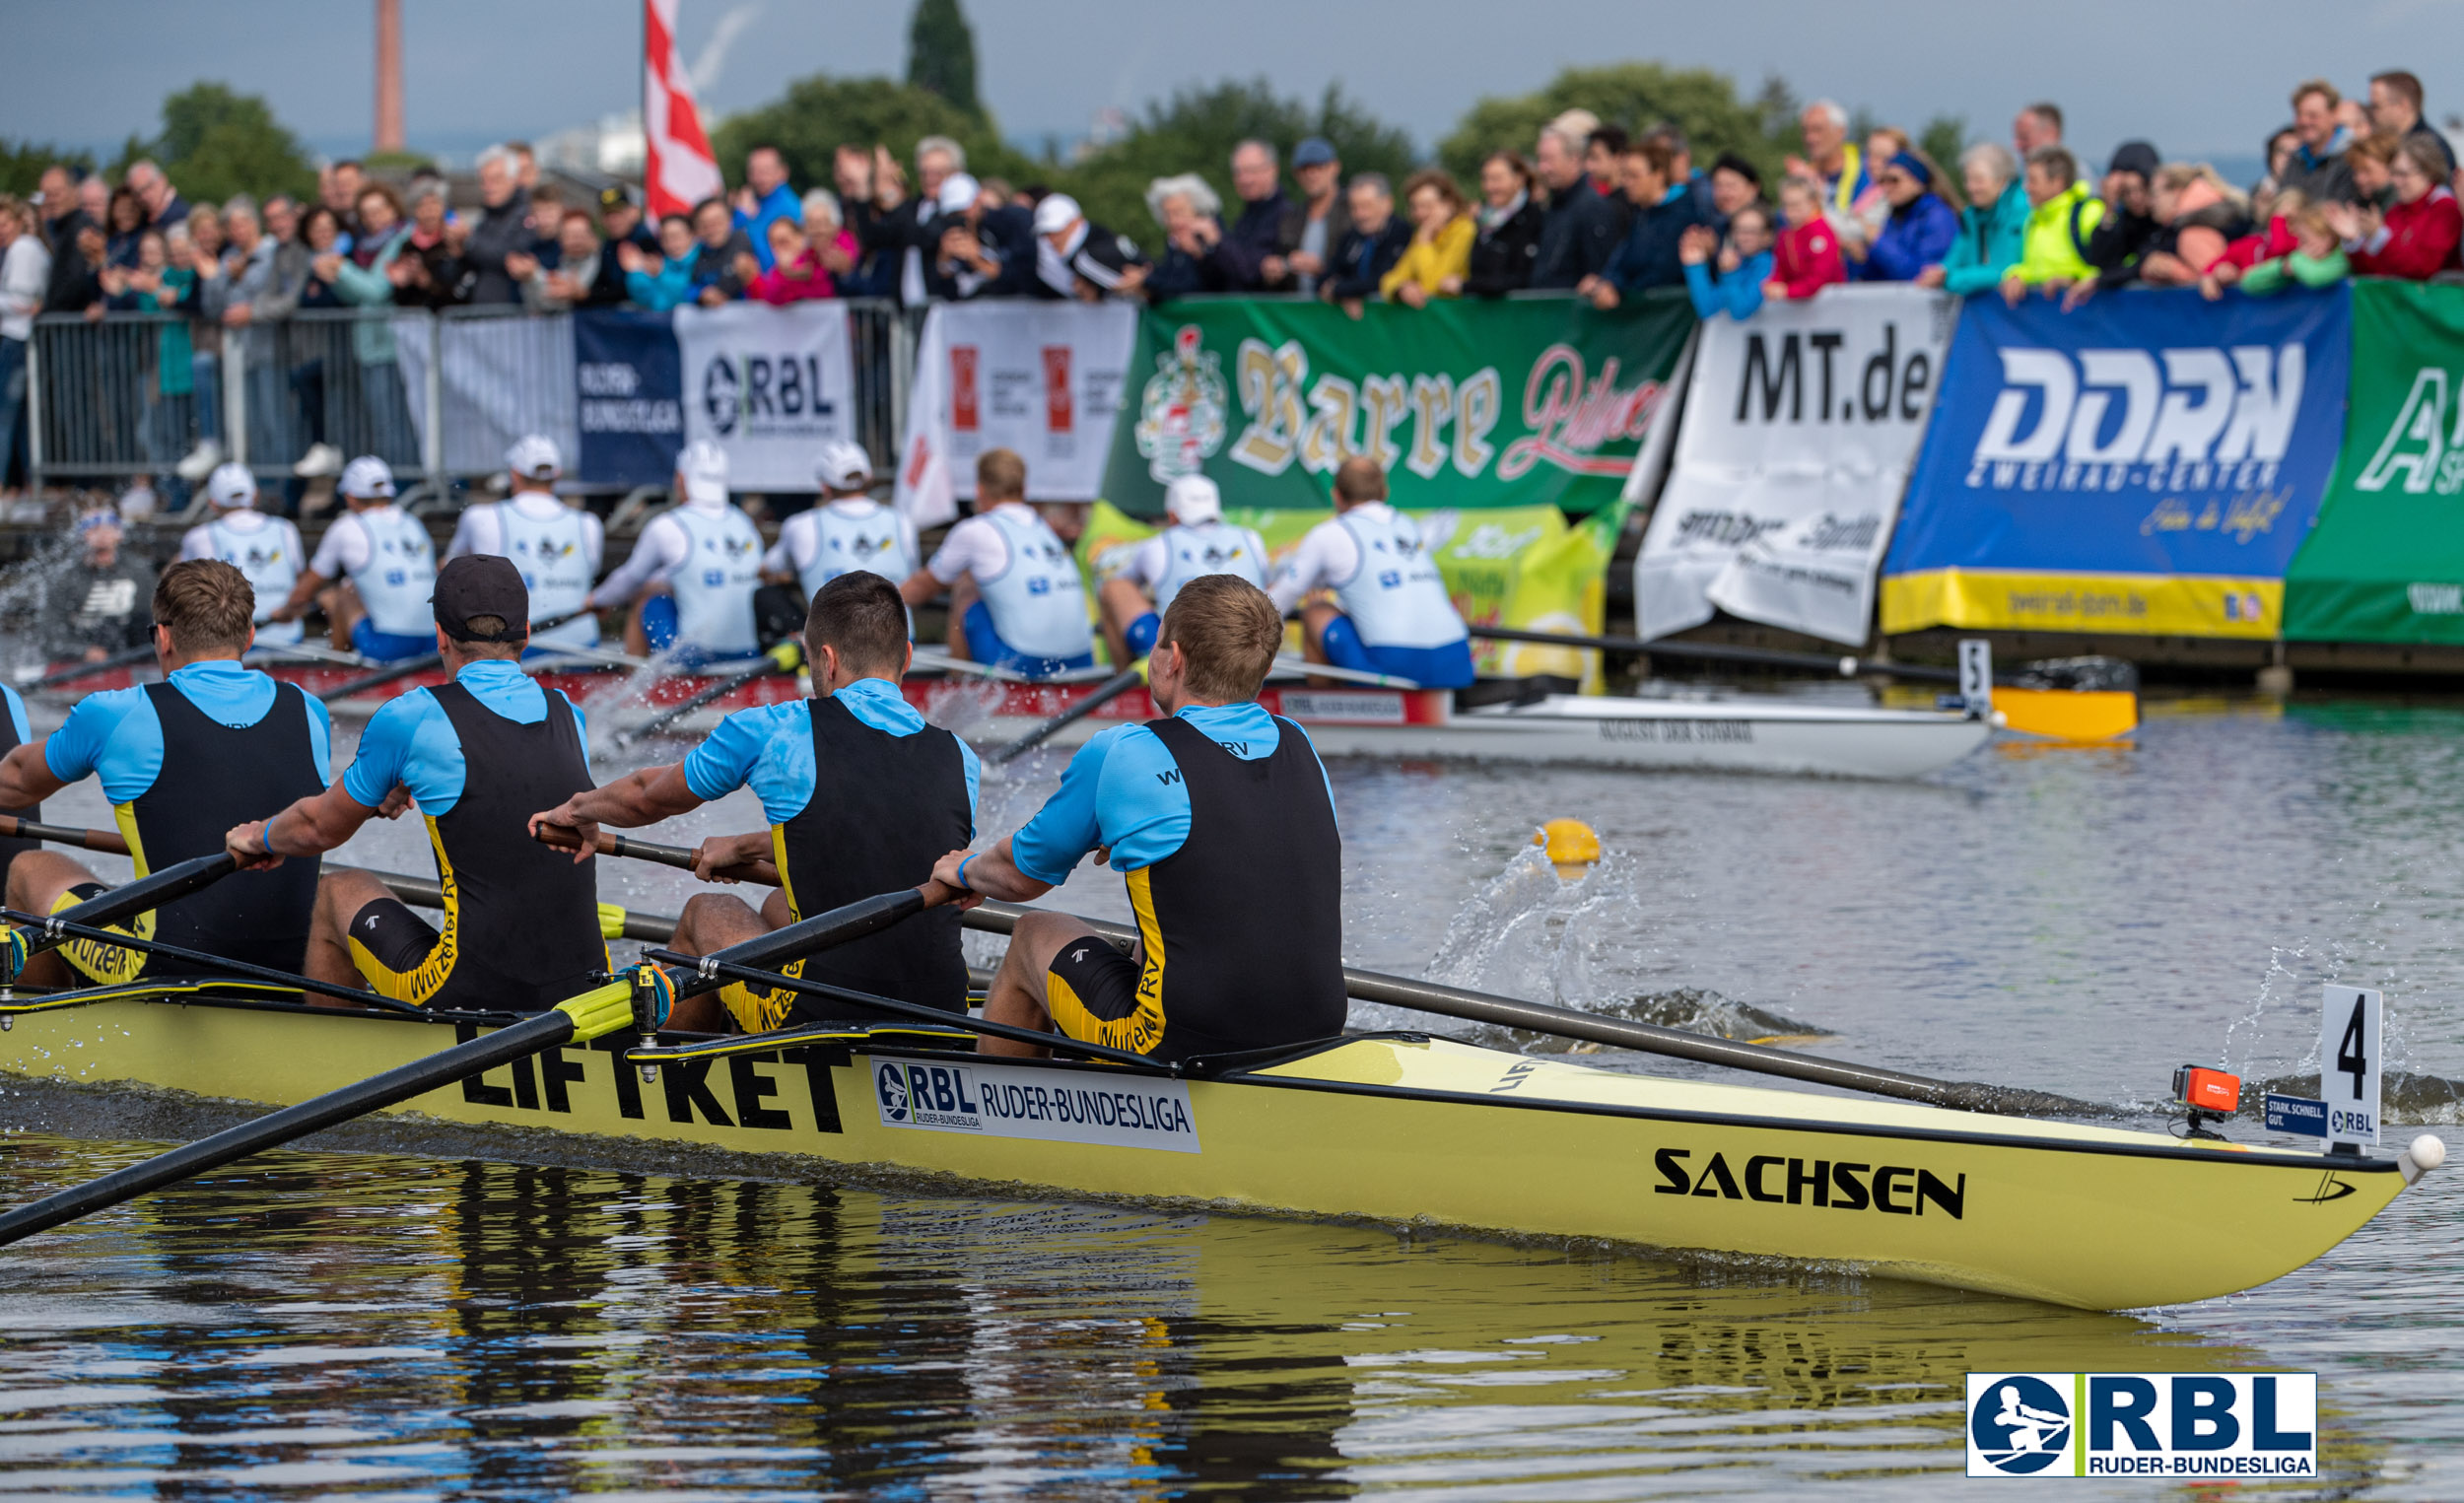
(921, 587)
(310, 581)
(732, 858)
(638, 798)
(988, 875)
(313, 826)
(26, 777)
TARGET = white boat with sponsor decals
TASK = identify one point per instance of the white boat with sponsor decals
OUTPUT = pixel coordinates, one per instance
(1745, 733)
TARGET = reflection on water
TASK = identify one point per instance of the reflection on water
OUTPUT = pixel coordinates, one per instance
(2078, 921)
(341, 1322)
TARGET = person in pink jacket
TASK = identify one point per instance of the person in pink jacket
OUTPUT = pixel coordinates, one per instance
(796, 273)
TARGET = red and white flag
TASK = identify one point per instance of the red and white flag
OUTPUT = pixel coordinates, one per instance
(680, 170)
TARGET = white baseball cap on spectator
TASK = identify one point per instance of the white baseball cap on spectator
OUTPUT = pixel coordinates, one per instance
(1055, 213)
(231, 485)
(367, 478)
(704, 466)
(533, 456)
(843, 465)
(1193, 500)
(959, 193)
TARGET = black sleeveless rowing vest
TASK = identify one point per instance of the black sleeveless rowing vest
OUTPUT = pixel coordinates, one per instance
(1244, 923)
(884, 808)
(9, 849)
(521, 921)
(214, 777)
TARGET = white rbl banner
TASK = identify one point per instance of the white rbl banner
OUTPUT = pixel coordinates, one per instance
(769, 386)
(1041, 378)
(1801, 426)
(679, 170)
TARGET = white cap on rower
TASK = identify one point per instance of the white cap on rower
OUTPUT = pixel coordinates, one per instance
(1193, 500)
(1055, 212)
(958, 194)
(365, 477)
(843, 465)
(533, 456)
(704, 466)
(231, 485)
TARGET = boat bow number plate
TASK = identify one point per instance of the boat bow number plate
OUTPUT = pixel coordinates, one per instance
(2349, 1044)
(1047, 1105)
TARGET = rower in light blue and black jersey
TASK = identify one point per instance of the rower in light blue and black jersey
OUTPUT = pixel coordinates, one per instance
(183, 761)
(15, 731)
(1234, 869)
(521, 926)
(860, 791)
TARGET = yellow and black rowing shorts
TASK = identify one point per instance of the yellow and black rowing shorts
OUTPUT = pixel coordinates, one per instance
(1092, 991)
(400, 953)
(107, 965)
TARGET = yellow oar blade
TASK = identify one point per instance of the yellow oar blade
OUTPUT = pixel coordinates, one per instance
(2069, 714)
(611, 920)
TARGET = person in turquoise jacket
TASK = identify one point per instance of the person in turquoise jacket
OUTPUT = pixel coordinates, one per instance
(1993, 228)
(1741, 266)
(661, 285)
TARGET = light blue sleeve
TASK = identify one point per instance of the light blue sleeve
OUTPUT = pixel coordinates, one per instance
(1143, 801)
(581, 725)
(385, 756)
(974, 777)
(1066, 828)
(725, 761)
(320, 735)
(17, 715)
(75, 750)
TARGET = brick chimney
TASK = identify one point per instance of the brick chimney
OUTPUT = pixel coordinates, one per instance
(389, 75)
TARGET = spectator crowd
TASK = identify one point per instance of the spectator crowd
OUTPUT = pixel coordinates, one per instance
(2352, 186)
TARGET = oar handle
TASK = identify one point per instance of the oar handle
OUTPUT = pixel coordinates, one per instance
(110, 842)
(169, 885)
(1112, 687)
(625, 846)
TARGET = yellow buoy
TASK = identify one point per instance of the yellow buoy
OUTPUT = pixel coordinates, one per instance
(1573, 847)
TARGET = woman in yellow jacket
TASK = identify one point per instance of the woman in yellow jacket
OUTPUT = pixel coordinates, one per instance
(1441, 241)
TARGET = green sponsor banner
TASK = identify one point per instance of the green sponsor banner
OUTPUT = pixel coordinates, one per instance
(1522, 567)
(1524, 402)
(2386, 559)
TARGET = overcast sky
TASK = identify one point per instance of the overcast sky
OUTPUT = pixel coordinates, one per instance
(2198, 77)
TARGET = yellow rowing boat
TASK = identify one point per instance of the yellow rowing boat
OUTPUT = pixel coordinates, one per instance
(1390, 1128)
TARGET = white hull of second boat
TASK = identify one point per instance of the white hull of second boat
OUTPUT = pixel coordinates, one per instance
(1738, 735)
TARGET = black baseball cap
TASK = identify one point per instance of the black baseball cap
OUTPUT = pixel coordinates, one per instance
(482, 585)
(615, 196)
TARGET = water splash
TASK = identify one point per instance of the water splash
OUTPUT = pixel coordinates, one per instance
(1532, 934)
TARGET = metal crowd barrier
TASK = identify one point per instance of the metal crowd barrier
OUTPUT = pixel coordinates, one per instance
(439, 396)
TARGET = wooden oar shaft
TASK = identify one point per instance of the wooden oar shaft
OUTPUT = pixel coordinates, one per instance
(1112, 687)
(1538, 1017)
(1843, 666)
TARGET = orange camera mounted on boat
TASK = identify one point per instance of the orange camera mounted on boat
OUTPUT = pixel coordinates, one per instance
(2212, 1095)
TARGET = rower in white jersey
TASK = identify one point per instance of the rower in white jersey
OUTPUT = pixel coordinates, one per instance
(691, 576)
(556, 547)
(845, 531)
(265, 549)
(1196, 542)
(1394, 616)
(373, 572)
(1016, 600)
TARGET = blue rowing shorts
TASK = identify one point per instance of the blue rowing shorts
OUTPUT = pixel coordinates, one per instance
(1143, 633)
(386, 646)
(1439, 667)
(986, 646)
